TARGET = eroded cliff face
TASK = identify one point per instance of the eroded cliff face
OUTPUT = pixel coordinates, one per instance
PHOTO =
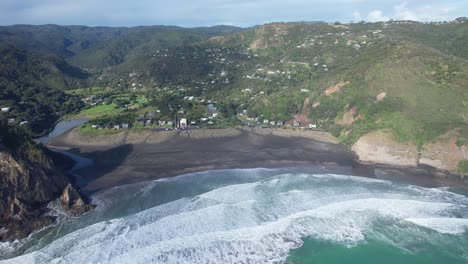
(382, 147)
(29, 180)
(444, 153)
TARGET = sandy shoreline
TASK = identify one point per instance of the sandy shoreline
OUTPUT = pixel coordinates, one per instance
(126, 158)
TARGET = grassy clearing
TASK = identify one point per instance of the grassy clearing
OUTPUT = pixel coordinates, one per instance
(463, 166)
(99, 111)
(87, 91)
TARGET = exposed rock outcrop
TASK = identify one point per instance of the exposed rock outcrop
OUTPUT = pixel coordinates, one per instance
(335, 88)
(348, 117)
(29, 181)
(73, 202)
(381, 147)
(444, 153)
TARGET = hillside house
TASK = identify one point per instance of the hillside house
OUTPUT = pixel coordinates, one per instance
(296, 123)
(183, 123)
(211, 109)
(5, 109)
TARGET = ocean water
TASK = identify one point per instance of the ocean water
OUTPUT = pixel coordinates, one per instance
(258, 216)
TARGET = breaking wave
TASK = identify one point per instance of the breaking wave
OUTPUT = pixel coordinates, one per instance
(248, 216)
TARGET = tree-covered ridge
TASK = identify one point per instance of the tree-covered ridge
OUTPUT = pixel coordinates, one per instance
(25, 67)
(31, 88)
(98, 47)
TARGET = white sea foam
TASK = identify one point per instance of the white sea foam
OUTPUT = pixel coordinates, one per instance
(442, 224)
(251, 222)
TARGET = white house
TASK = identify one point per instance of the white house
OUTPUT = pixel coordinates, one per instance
(183, 123)
(5, 109)
(312, 126)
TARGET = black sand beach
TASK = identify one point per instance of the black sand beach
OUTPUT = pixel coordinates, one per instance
(120, 161)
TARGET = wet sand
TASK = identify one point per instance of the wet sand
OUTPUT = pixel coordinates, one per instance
(126, 158)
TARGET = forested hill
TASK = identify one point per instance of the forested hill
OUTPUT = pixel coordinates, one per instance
(98, 47)
(19, 67)
(31, 87)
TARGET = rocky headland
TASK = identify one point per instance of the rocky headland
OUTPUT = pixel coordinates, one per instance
(31, 177)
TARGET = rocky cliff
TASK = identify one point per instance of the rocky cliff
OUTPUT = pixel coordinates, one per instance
(381, 147)
(29, 180)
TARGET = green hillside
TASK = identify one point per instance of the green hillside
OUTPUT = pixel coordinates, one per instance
(32, 88)
(349, 79)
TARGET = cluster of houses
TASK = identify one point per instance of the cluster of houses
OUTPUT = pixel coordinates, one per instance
(148, 120)
(12, 120)
(149, 123)
(274, 123)
(92, 100)
(118, 126)
(293, 123)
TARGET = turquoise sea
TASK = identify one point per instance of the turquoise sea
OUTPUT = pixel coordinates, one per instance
(258, 216)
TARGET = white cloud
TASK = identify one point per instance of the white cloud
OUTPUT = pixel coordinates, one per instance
(402, 11)
(211, 12)
(376, 15)
(357, 16)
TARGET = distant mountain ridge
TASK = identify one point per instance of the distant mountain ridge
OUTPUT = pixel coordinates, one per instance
(94, 47)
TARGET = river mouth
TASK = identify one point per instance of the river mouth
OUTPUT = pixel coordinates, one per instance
(62, 127)
(257, 216)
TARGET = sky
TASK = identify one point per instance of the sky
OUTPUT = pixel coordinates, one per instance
(243, 13)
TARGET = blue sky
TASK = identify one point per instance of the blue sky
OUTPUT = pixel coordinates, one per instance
(215, 12)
